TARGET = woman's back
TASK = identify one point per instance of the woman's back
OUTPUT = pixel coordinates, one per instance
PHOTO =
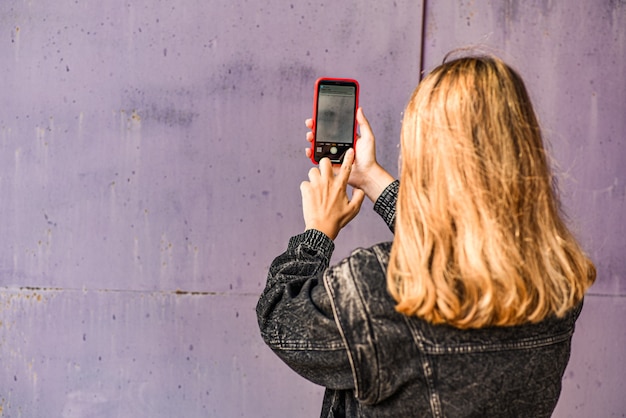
(407, 367)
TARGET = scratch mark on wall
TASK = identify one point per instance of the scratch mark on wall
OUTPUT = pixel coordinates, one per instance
(186, 293)
(18, 157)
(137, 257)
(6, 135)
(39, 294)
(42, 147)
(44, 252)
(16, 43)
(196, 252)
(167, 256)
(81, 121)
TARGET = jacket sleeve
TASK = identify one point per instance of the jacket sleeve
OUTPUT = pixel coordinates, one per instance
(295, 315)
(294, 311)
(385, 205)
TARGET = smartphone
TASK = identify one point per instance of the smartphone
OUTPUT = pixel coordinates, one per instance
(334, 118)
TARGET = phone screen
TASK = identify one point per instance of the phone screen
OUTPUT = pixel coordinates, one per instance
(335, 119)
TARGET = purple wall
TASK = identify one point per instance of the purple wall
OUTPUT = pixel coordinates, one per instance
(151, 159)
(573, 58)
(151, 154)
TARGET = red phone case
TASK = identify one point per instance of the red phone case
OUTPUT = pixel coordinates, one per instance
(315, 99)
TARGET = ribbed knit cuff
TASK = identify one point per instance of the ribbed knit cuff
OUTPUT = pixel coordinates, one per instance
(315, 240)
(385, 205)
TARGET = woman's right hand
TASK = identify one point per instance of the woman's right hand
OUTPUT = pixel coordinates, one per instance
(366, 173)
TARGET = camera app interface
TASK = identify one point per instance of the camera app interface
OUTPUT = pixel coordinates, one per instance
(335, 121)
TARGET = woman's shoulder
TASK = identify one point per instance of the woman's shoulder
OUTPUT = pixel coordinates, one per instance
(363, 273)
(378, 251)
(364, 263)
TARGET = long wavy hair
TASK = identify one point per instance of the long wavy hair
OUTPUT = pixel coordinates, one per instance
(479, 236)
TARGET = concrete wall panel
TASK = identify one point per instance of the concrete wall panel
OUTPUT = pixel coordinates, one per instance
(150, 161)
(573, 58)
(150, 158)
(138, 354)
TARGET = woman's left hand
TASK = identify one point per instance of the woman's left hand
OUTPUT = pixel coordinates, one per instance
(325, 202)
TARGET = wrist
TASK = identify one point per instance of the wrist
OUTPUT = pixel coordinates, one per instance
(315, 239)
(330, 232)
(375, 182)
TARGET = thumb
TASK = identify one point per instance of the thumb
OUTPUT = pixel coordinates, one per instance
(357, 200)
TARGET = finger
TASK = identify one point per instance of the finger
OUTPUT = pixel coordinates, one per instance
(314, 174)
(308, 152)
(354, 205)
(348, 158)
(358, 196)
(326, 167)
(309, 123)
(346, 165)
(305, 189)
(364, 124)
(309, 136)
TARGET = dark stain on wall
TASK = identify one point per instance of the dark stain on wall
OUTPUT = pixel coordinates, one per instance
(162, 106)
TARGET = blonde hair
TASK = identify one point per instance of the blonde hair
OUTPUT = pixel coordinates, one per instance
(479, 239)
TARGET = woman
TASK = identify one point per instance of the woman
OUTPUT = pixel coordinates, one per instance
(470, 310)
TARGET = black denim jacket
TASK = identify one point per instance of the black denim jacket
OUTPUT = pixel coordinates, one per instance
(338, 328)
